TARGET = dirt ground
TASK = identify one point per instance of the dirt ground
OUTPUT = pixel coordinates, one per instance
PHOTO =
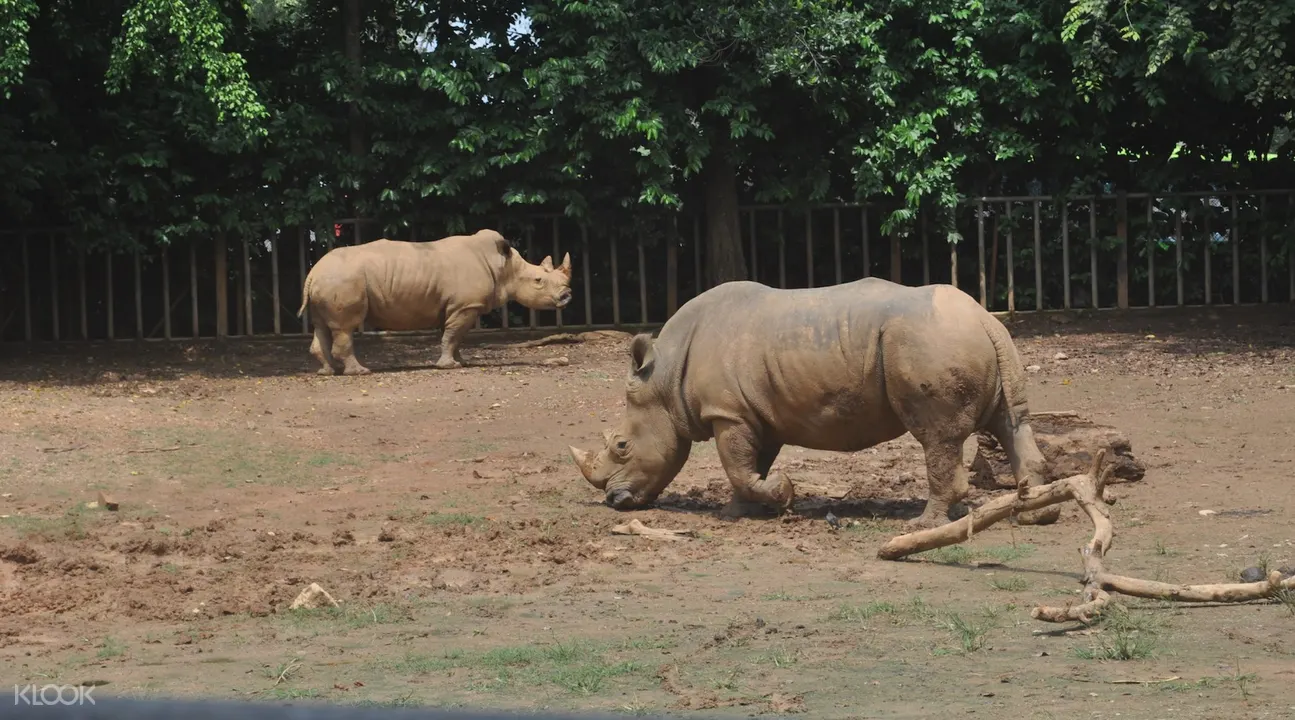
(474, 567)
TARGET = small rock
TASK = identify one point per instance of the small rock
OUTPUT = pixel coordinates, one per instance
(453, 579)
(1252, 574)
(1287, 571)
(1207, 513)
(6, 496)
(1032, 368)
(1060, 356)
(91, 505)
(107, 502)
(314, 597)
(557, 361)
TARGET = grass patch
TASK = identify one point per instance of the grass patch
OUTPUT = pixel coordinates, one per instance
(781, 657)
(862, 613)
(437, 519)
(971, 633)
(962, 555)
(348, 617)
(72, 525)
(1286, 598)
(1009, 584)
(110, 648)
(1125, 636)
(578, 667)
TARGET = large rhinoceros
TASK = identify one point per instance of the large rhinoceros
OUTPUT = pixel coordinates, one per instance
(840, 368)
(398, 285)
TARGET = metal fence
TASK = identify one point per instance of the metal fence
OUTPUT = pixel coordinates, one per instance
(1016, 254)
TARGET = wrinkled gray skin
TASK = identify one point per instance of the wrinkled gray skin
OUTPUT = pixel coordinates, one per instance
(840, 368)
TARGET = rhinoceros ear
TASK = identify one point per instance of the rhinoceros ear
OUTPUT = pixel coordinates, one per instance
(642, 355)
(547, 263)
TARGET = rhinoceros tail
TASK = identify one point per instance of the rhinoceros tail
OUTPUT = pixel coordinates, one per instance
(1010, 372)
(305, 293)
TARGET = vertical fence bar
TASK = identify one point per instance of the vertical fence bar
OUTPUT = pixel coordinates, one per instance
(1038, 259)
(584, 267)
(53, 283)
(755, 250)
(980, 237)
(302, 237)
(166, 293)
(866, 241)
(139, 299)
(896, 259)
(1151, 245)
(696, 255)
(247, 285)
(809, 247)
(672, 271)
(1290, 259)
(1065, 255)
(926, 251)
(616, 286)
(1092, 250)
(112, 312)
(953, 263)
(1178, 254)
(530, 243)
(193, 286)
(1209, 251)
(1234, 239)
(1263, 249)
(80, 278)
(222, 288)
(1010, 263)
(26, 289)
(1122, 258)
(557, 258)
(782, 253)
(836, 241)
(643, 311)
(274, 281)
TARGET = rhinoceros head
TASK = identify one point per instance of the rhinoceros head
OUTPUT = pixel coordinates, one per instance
(643, 455)
(542, 287)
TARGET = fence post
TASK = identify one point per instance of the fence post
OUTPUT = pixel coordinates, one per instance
(926, 250)
(1263, 249)
(1122, 259)
(1038, 259)
(302, 272)
(530, 242)
(222, 288)
(584, 266)
(1178, 252)
(1011, 262)
(193, 287)
(1209, 252)
(557, 258)
(809, 247)
(782, 253)
(274, 280)
(166, 292)
(107, 269)
(980, 235)
(616, 285)
(1151, 252)
(26, 289)
(836, 239)
(139, 298)
(1235, 237)
(672, 271)
(1290, 260)
(80, 278)
(643, 311)
(866, 241)
(1065, 254)
(1092, 250)
(53, 282)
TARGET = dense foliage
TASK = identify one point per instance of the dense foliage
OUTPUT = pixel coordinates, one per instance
(152, 119)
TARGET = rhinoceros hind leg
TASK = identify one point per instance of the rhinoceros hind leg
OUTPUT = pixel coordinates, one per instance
(344, 351)
(1028, 464)
(322, 348)
(947, 480)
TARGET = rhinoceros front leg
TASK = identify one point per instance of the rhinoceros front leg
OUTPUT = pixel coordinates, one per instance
(456, 328)
(747, 465)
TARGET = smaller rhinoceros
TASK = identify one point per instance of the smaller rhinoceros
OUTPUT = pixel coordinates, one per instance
(841, 368)
(398, 285)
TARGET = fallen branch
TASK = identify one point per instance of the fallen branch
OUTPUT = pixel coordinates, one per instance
(62, 449)
(173, 448)
(1087, 490)
(636, 527)
(1055, 413)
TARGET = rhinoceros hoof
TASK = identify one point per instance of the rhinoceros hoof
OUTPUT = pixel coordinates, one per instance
(447, 365)
(361, 370)
(326, 371)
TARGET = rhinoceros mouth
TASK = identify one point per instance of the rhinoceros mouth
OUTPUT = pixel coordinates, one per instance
(564, 299)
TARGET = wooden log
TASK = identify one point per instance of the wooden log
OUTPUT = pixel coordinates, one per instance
(1067, 442)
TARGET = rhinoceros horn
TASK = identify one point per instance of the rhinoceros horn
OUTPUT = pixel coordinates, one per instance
(565, 267)
(584, 461)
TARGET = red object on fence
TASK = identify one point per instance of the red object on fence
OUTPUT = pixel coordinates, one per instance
(337, 229)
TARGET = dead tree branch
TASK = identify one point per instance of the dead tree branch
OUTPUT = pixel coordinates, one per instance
(1087, 491)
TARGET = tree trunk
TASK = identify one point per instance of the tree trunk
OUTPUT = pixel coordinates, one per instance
(355, 69)
(724, 259)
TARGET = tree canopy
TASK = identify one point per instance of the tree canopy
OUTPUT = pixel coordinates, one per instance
(145, 120)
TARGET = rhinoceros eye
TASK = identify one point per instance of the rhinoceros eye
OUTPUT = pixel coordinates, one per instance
(622, 445)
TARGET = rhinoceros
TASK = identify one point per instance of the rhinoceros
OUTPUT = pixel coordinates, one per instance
(399, 285)
(839, 368)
